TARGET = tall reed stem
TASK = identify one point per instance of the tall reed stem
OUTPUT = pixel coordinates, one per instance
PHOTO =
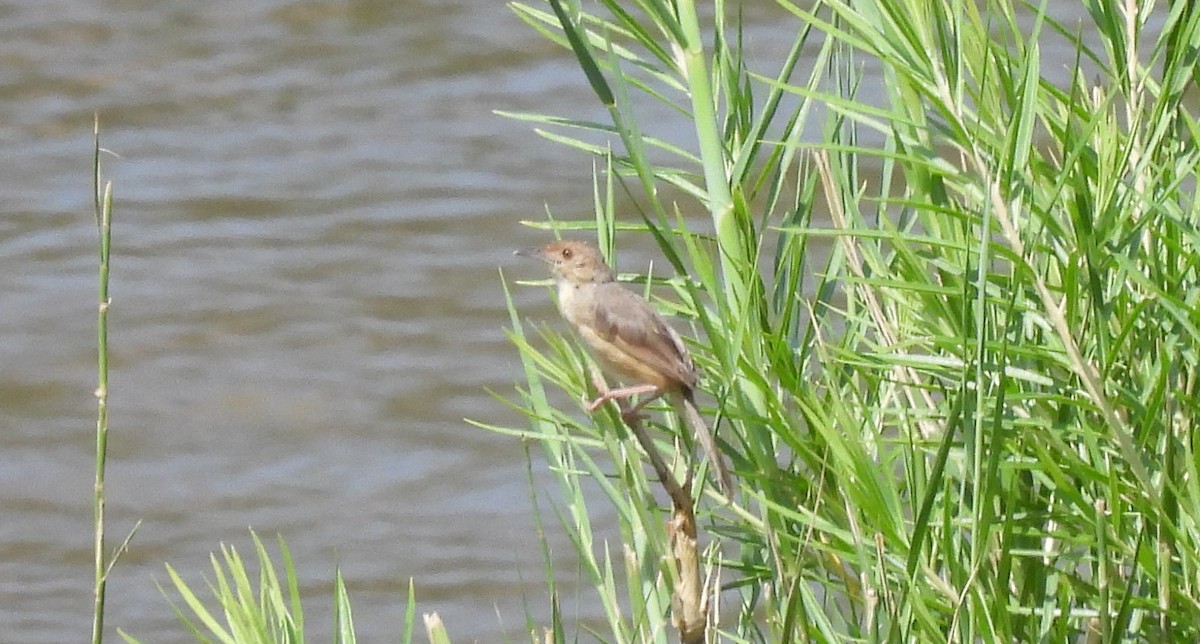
(103, 208)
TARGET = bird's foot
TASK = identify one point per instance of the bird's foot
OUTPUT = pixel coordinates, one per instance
(593, 405)
(631, 415)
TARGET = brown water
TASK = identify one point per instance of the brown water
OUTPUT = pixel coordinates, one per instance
(313, 200)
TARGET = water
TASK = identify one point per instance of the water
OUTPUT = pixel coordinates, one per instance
(313, 201)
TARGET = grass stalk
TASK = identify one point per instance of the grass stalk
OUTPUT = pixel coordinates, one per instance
(103, 210)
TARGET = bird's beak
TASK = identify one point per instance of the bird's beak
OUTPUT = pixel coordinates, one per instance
(533, 253)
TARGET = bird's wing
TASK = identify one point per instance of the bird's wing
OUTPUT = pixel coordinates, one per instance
(627, 320)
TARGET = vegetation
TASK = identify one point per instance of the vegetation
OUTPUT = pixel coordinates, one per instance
(948, 310)
(103, 208)
(269, 613)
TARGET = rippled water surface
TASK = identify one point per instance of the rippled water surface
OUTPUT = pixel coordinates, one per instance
(313, 201)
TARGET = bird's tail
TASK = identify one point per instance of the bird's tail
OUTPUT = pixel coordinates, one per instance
(700, 429)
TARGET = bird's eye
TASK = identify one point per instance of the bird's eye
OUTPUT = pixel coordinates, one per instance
(566, 253)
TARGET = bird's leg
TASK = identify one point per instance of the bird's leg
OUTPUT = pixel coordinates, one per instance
(625, 392)
(619, 394)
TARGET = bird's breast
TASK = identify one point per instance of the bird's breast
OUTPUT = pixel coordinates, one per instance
(575, 302)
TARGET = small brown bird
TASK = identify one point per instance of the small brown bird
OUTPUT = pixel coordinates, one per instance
(628, 338)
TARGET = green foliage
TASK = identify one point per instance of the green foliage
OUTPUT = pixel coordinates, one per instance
(268, 613)
(102, 564)
(103, 206)
(953, 339)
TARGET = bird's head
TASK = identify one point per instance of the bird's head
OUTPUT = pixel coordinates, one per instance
(574, 261)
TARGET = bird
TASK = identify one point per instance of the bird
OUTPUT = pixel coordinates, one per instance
(628, 338)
